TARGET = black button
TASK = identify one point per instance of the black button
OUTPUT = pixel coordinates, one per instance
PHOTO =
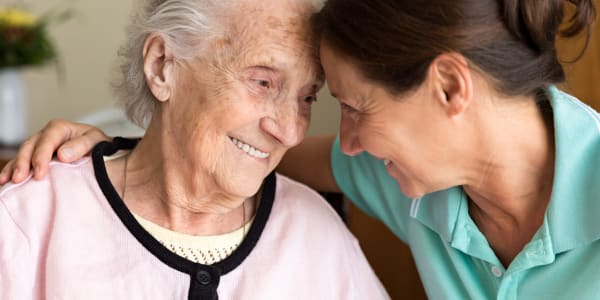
(203, 277)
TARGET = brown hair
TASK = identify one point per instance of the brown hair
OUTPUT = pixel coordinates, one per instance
(393, 42)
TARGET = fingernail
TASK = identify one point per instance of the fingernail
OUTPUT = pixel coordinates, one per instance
(67, 152)
(38, 171)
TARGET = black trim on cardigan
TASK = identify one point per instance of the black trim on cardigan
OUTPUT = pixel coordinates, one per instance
(204, 278)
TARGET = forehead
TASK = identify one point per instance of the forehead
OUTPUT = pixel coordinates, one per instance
(276, 33)
(289, 19)
(341, 74)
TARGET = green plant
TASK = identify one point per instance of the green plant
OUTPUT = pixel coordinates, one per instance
(24, 39)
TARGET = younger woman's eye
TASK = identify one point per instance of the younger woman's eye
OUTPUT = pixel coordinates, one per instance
(347, 107)
(350, 111)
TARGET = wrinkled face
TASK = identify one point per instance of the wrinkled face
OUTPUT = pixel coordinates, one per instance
(241, 107)
(406, 132)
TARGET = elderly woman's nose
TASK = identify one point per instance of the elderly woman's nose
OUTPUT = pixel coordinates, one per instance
(286, 127)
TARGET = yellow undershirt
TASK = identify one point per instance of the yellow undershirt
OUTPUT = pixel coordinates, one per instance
(200, 249)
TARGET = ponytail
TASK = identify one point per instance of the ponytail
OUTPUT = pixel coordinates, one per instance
(537, 22)
(584, 15)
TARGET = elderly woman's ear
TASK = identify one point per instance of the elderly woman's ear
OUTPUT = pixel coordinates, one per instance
(158, 67)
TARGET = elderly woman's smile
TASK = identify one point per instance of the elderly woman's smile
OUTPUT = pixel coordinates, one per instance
(249, 149)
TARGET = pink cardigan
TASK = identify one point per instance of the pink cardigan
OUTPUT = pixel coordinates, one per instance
(60, 238)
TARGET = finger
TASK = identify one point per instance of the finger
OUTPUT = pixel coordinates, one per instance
(6, 172)
(52, 136)
(80, 146)
(22, 162)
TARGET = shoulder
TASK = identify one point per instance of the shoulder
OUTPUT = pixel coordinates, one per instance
(63, 175)
(577, 131)
(295, 193)
(569, 109)
(304, 202)
(288, 186)
(37, 207)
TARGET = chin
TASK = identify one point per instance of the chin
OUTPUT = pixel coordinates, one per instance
(414, 195)
(411, 191)
(246, 187)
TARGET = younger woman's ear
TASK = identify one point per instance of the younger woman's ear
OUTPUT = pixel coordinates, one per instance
(453, 82)
(158, 67)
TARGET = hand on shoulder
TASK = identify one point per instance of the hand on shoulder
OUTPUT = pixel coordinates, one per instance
(70, 141)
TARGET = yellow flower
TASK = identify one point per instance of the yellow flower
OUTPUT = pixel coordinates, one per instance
(16, 17)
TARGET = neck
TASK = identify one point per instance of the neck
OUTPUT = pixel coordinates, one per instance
(163, 187)
(510, 181)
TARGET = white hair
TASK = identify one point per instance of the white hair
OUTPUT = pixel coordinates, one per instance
(187, 26)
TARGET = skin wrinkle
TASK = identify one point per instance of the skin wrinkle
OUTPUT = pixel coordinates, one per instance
(216, 92)
(232, 55)
(203, 132)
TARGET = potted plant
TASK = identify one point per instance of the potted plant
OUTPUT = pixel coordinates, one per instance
(24, 42)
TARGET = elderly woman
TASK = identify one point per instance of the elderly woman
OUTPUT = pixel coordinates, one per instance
(193, 210)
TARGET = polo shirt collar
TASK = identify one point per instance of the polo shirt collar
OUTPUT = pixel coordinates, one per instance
(574, 208)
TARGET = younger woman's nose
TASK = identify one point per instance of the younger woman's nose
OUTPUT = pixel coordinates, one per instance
(349, 141)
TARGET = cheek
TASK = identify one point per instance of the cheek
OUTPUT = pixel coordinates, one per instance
(303, 124)
(207, 146)
(349, 126)
(388, 139)
(374, 132)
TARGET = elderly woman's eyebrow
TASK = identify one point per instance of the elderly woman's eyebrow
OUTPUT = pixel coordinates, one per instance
(264, 68)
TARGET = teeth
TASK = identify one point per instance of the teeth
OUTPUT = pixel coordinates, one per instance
(249, 149)
(386, 162)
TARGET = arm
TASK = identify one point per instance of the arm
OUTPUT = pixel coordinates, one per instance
(70, 140)
(310, 163)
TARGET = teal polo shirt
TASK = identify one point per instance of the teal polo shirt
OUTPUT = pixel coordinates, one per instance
(454, 259)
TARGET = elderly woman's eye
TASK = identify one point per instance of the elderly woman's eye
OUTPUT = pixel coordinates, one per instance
(310, 99)
(263, 83)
